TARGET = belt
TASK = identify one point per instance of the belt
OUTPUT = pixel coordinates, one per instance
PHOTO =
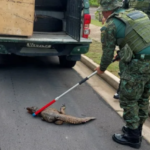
(142, 56)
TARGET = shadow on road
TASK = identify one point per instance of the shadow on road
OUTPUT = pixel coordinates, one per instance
(14, 61)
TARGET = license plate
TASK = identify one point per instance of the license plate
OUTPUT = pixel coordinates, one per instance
(33, 45)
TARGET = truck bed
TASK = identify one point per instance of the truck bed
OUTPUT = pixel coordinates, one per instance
(44, 37)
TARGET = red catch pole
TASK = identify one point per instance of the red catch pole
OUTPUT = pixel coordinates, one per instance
(57, 98)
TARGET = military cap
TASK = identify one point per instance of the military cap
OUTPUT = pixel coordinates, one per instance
(107, 5)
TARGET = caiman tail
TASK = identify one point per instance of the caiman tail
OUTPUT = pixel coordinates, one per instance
(74, 120)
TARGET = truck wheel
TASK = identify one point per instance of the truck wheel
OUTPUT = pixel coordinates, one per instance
(66, 63)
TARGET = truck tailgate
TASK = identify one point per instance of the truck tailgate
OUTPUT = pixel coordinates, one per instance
(45, 37)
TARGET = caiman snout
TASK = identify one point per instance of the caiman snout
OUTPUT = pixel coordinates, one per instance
(31, 110)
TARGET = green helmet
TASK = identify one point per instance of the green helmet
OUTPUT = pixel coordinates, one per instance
(107, 5)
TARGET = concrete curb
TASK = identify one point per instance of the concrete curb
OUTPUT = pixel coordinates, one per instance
(107, 76)
(114, 82)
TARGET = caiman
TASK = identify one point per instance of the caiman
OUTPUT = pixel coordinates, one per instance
(52, 115)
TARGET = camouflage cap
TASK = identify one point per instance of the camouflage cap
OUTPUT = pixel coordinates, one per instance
(107, 5)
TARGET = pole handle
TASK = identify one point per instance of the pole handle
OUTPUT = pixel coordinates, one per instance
(87, 78)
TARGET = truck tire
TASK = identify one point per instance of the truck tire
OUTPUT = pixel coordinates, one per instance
(66, 63)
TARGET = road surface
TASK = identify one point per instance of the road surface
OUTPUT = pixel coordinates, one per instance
(36, 81)
(92, 12)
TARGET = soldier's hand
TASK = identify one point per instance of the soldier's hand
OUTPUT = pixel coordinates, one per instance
(116, 57)
(99, 71)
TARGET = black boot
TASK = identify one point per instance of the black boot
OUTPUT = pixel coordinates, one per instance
(131, 138)
(116, 96)
(125, 130)
(140, 129)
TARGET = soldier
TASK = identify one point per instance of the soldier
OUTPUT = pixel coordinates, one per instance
(128, 29)
(144, 6)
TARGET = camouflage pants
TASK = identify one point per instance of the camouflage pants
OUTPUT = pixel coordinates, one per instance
(122, 65)
(121, 68)
(135, 92)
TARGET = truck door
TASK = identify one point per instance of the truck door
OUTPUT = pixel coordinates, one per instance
(73, 25)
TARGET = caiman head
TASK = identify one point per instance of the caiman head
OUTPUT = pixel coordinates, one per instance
(32, 110)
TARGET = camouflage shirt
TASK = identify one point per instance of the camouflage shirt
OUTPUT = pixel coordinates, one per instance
(108, 39)
(114, 29)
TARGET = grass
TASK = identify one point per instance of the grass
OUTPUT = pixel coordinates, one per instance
(95, 53)
(94, 3)
(96, 22)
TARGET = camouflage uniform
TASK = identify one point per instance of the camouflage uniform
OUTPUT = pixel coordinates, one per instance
(143, 5)
(135, 78)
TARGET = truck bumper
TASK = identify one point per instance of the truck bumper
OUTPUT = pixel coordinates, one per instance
(44, 44)
(46, 50)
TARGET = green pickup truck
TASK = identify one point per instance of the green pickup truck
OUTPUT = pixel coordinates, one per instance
(61, 28)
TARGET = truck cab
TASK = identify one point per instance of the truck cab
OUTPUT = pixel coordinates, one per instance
(61, 28)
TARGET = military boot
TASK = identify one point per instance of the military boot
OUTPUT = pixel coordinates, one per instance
(116, 96)
(130, 138)
(125, 130)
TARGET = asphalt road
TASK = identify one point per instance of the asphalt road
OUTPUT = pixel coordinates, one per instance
(92, 12)
(36, 81)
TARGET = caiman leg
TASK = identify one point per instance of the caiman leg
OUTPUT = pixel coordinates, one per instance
(62, 111)
(59, 122)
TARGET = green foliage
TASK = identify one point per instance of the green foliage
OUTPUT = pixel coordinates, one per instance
(97, 15)
(95, 53)
(94, 3)
(96, 23)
